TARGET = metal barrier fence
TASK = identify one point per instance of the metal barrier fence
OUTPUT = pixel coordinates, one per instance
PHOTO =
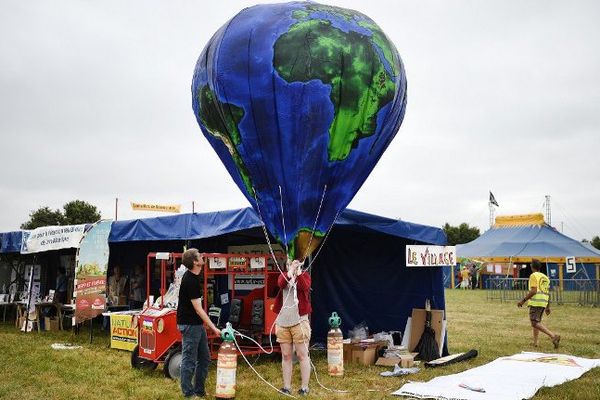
(585, 292)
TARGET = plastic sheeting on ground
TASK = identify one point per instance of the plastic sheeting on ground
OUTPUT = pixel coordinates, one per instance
(526, 372)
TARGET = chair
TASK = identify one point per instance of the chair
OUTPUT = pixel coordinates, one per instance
(20, 314)
(22, 317)
(214, 313)
(67, 312)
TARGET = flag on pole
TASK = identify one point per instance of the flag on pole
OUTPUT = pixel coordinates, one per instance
(493, 200)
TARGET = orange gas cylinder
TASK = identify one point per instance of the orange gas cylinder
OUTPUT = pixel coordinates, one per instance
(226, 366)
(335, 347)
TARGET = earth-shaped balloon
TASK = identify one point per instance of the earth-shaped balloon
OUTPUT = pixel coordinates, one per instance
(299, 100)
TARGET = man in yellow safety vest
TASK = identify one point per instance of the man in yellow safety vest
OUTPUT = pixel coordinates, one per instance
(539, 296)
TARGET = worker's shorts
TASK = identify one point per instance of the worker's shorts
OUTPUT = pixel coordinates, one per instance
(299, 333)
(535, 313)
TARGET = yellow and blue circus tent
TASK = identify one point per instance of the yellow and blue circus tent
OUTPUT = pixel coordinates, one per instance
(518, 239)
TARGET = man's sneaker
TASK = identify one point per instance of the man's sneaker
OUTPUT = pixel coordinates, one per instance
(303, 391)
(285, 390)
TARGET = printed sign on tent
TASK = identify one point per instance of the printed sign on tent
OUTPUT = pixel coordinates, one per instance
(171, 208)
(51, 238)
(430, 256)
(250, 282)
(90, 272)
(571, 265)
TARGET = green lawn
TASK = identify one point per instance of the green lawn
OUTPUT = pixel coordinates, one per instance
(30, 369)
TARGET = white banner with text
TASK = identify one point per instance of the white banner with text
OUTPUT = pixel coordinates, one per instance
(51, 238)
(430, 256)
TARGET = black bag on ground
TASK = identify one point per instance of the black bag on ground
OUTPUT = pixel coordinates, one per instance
(451, 359)
(427, 347)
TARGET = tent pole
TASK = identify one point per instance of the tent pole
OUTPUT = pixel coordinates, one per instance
(91, 329)
(28, 306)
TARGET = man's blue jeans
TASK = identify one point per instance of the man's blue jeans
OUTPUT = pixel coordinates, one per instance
(195, 359)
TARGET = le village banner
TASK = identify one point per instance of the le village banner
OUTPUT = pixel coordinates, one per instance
(430, 256)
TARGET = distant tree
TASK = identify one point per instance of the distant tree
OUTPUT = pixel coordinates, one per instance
(460, 234)
(596, 242)
(79, 212)
(75, 212)
(43, 216)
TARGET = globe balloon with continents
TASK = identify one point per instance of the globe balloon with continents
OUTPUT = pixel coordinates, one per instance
(299, 100)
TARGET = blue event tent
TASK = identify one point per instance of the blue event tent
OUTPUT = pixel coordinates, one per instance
(360, 272)
(10, 242)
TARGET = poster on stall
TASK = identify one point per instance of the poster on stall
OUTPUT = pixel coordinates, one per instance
(51, 238)
(247, 282)
(122, 335)
(430, 256)
(90, 272)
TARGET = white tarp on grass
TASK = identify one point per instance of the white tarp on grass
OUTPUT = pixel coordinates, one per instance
(526, 373)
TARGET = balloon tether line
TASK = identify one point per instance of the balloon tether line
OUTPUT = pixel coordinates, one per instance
(287, 250)
(323, 242)
(312, 233)
(294, 288)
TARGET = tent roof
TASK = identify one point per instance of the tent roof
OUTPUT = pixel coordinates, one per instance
(589, 246)
(184, 226)
(506, 242)
(205, 225)
(10, 242)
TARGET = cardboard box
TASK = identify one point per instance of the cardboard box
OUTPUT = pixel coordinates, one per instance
(388, 362)
(407, 360)
(365, 355)
(51, 324)
(348, 352)
(418, 326)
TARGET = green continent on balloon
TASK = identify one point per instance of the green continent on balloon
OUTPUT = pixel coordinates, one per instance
(221, 120)
(348, 62)
(382, 42)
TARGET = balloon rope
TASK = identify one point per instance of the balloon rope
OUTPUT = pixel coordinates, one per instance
(312, 233)
(289, 282)
(315, 368)
(264, 227)
(256, 372)
(323, 243)
(287, 251)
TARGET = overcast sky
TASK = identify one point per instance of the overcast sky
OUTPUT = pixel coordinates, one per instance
(95, 104)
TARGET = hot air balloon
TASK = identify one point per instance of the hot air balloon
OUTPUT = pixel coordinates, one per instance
(299, 100)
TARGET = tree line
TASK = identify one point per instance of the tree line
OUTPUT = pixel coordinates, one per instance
(80, 212)
(73, 213)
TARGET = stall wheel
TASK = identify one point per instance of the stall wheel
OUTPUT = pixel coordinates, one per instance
(141, 363)
(172, 368)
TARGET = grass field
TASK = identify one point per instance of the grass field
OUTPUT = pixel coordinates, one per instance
(30, 369)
